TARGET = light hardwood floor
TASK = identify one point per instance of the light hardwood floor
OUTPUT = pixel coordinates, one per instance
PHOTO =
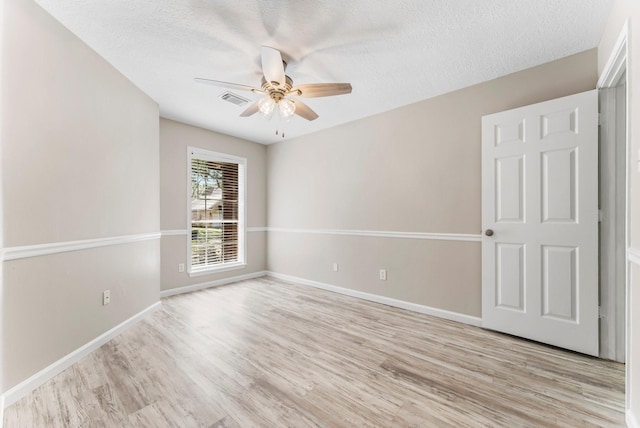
(272, 354)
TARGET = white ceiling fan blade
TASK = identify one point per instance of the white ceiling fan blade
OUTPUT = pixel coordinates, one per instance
(251, 110)
(304, 110)
(272, 66)
(313, 90)
(229, 85)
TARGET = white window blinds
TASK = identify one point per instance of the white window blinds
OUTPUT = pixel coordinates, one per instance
(216, 211)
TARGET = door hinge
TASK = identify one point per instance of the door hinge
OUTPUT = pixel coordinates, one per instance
(599, 118)
(600, 312)
(600, 216)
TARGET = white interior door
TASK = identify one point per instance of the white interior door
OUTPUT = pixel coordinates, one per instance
(540, 222)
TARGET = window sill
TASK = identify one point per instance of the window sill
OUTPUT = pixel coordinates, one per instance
(218, 269)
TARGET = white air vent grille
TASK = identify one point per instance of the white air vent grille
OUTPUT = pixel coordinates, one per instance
(234, 99)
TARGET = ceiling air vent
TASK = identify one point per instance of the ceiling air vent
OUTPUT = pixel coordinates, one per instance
(234, 99)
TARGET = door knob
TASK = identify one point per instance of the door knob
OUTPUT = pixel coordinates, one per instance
(488, 232)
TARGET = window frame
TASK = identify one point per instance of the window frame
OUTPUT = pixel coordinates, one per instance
(209, 155)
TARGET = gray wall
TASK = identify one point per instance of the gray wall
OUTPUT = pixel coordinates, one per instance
(79, 161)
(175, 137)
(624, 10)
(413, 169)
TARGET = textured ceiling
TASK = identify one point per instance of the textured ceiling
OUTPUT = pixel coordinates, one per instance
(393, 52)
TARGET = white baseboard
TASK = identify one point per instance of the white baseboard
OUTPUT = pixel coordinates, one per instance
(28, 385)
(440, 313)
(209, 284)
(632, 420)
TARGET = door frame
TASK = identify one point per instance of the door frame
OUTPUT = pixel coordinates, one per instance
(614, 70)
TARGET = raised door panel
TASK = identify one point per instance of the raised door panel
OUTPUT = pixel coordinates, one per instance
(510, 281)
(559, 199)
(509, 189)
(559, 282)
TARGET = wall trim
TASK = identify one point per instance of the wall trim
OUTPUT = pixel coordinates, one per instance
(175, 232)
(469, 237)
(28, 385)
(633, 255)
(631, 419)
(26, 251)
(616, 63)
(180, 232)
(414, 307)
(210, 284)
(1, 411)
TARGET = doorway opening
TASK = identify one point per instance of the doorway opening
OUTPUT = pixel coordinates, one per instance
(614, 204)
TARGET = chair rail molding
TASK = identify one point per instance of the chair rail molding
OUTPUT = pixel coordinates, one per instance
(468, 237)
(174, 232)
(37, 250)
(181, 232)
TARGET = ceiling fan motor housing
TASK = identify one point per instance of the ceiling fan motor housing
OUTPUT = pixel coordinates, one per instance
(275, 90)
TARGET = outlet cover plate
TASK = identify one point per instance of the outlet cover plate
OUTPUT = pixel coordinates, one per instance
(106, 297)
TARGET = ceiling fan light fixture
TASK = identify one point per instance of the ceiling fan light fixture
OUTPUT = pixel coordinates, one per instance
(286, 108)
(266, 105)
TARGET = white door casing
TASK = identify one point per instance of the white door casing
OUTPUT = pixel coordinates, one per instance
(613, 229)
(540, 199)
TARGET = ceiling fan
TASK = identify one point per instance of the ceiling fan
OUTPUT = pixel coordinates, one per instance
(278, 87)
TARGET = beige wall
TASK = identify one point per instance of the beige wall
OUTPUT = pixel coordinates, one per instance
(84, 172)
(413, 169)
(175, 137)
(80, 161)
(629, 10)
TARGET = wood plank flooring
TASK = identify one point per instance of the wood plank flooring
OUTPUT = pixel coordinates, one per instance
(264, 353)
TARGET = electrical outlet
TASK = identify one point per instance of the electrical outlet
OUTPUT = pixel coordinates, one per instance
(335, 267)
(181, 267)
(383, 274)
(106, 297)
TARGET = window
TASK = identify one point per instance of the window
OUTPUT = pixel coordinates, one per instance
(216, 211)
